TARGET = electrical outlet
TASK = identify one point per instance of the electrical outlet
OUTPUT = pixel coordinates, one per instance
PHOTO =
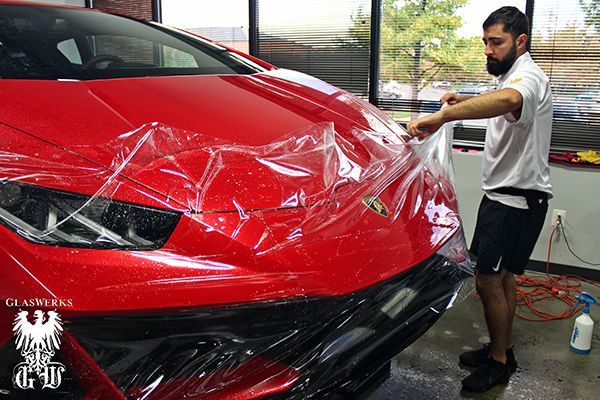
(558, 213)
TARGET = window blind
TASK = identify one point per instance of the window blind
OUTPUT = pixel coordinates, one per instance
(430, 47)
(326, 39)
(566, 45)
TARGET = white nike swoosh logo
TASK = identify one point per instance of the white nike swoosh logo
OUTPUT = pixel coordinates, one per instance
(497, 266)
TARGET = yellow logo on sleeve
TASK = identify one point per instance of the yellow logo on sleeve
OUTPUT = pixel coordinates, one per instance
(515, 80)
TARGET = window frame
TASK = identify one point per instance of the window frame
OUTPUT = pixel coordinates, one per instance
(463, 135)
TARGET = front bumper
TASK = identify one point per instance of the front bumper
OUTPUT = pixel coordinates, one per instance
(294, 349)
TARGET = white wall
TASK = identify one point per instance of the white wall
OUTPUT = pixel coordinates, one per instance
(576, 190)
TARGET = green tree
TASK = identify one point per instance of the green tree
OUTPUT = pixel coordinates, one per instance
(591, 8)
(419, 42)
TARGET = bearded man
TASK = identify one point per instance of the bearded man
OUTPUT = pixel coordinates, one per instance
(515, 181)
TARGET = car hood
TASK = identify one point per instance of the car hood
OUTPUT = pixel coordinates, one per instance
(174, 119)
(288, 188)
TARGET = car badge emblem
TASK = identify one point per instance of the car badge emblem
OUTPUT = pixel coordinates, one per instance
(375, 205)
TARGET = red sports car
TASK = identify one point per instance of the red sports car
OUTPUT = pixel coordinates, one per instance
(179, 220)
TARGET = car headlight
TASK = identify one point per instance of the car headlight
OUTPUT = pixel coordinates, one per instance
(58, 218)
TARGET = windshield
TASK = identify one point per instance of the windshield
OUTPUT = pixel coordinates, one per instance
(38, 42)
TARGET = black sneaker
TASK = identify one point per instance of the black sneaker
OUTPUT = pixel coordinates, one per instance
(477, 357)
(489, 374)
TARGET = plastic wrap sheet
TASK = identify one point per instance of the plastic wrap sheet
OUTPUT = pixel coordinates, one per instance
(200, 268)
(314, 169)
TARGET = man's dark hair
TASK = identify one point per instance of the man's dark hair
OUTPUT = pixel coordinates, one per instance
(512, 19)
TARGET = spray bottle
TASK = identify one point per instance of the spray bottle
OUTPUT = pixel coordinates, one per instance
(581, 339)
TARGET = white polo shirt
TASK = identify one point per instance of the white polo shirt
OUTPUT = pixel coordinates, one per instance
(516, 151)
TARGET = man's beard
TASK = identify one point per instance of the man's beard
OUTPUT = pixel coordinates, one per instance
(498, 67)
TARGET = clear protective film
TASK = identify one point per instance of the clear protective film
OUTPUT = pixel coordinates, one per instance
(180, 265)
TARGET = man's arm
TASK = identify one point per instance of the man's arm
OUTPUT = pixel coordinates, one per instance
(488, 105)
(453, 98)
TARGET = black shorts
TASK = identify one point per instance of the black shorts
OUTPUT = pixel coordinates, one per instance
(505, 236)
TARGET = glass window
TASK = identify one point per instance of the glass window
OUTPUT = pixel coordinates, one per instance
(225, 21)
(69, 49)
(431, 47)
(39, 42)
(327, 39)
(178, 59)
(123, 49)
(566, 44)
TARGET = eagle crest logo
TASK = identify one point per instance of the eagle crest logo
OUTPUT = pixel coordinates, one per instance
(38, 343)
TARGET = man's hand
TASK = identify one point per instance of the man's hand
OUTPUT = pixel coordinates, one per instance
(453, 98)
(425, 126)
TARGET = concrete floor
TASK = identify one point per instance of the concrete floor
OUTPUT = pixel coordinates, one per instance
(429, 369)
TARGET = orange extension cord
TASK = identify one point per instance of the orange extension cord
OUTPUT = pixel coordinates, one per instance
(531, 290)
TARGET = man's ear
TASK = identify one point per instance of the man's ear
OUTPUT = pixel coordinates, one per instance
(522, 41)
